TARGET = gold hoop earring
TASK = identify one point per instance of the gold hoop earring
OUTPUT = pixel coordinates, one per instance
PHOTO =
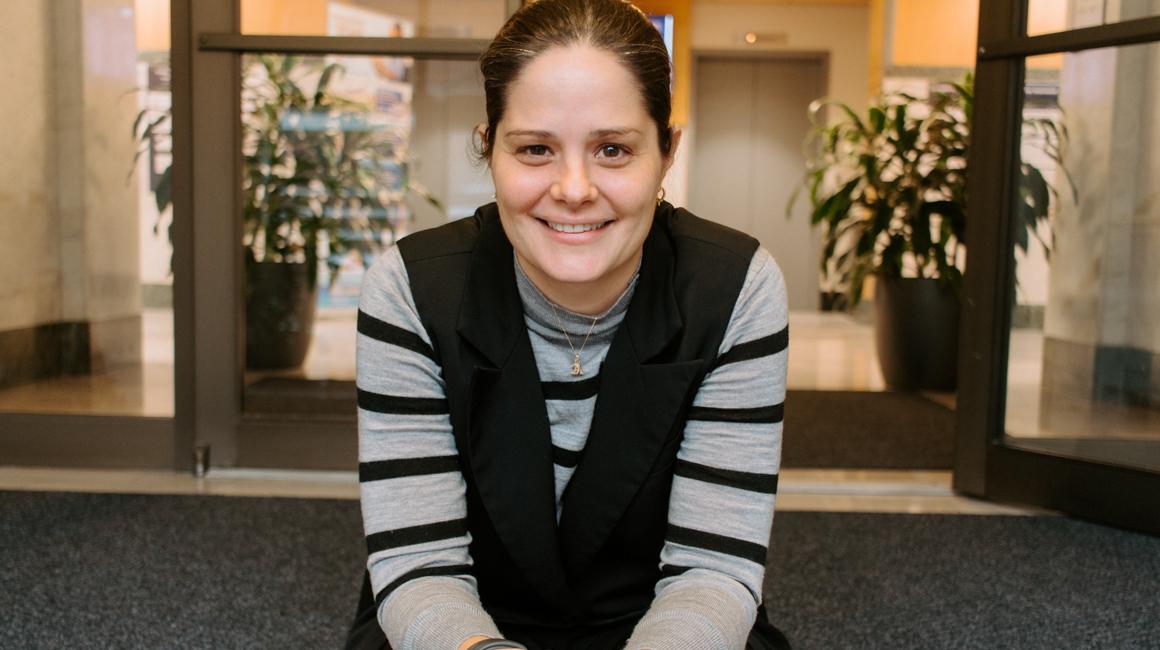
(660, 196)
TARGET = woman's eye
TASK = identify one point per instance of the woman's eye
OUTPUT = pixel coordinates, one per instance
(534, 150)
(611, 151)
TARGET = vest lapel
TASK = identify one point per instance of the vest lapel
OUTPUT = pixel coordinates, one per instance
(637, 406)
(509, 438)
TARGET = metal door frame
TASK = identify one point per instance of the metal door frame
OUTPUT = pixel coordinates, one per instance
(984, 466)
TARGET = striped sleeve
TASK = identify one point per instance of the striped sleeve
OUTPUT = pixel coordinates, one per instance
(725, 483)
(412, 493)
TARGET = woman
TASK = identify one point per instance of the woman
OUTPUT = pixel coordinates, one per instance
(570, 403)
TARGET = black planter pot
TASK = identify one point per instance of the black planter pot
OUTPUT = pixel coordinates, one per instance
(832, 301)
(280, 304)
(917, 333)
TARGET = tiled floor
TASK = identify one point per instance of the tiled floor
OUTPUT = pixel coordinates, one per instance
(832, 351)
(138, 390)
(1082, 419)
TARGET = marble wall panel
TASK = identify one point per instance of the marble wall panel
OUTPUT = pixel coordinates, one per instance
(1077, 265)
(1144, 325)
(115, 342)
(112, 256)
(1103, 280)
(29, 251)
(1102, 348)
(1066, 386)
(69, 214)
(67, 135)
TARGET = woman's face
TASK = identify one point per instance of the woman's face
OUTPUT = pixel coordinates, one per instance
(577, 166)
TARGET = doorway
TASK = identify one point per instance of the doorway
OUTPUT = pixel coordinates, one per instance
(750, 125)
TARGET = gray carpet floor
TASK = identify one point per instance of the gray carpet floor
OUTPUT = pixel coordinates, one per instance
(137, 571)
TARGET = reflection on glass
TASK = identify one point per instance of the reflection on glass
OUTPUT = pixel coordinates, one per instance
(1048, 16)
(342, 155)
(1084, 368)
(382, 18)
(86, 322)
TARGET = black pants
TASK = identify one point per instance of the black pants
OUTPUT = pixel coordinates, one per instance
(365, 633)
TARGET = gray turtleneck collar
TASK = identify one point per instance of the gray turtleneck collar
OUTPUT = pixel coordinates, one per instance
(545, 317)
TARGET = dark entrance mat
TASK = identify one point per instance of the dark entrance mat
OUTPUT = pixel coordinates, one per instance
(139, 571)
(886, 430)
(297, 396)
(823, 429)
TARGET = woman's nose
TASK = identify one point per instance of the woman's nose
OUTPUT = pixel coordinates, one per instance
(573, 186)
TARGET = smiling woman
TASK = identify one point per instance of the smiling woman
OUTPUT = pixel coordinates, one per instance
(570, 403)
(577, 170)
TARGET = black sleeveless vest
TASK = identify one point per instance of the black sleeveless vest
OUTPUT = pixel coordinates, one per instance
(601, 563)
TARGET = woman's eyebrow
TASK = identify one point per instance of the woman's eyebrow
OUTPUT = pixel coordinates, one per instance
(519, 133)
(606, 133)
(598, 133)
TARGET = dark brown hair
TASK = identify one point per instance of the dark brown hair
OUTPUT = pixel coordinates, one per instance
(615, 26)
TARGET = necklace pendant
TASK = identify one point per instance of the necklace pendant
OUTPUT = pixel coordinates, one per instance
(576, 369)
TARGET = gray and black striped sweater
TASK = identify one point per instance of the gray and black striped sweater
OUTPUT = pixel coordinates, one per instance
(722, 499)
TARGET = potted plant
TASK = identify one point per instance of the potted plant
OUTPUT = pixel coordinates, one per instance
(319, 179)
(889, 190)
(308, 163)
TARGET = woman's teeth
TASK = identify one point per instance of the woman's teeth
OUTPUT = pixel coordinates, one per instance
(574, 227)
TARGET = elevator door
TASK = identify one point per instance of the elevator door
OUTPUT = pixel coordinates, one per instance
(748, 156)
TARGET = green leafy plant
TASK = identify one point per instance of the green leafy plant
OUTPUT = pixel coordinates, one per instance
(147, 126)
(889, 188)
(315, 166)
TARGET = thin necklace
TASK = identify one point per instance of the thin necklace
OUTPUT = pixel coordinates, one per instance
(577, 369)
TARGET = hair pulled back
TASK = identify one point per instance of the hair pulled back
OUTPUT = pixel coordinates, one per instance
(615, 26)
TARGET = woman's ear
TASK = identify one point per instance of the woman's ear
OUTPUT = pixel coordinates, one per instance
(479, 142)
(677, 133)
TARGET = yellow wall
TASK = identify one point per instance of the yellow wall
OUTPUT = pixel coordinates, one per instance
(935, 33)
(151, 22)
(296, 17)
(790, 3)
(682, 13)
(1042, 18)
(1046, 17)
(876, 57)
(944, 33)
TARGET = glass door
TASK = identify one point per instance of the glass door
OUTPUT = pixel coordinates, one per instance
(1061, 406)
(336, 128)
(341, 156)
(87, 327)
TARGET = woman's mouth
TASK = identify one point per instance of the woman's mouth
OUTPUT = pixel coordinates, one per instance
(571, 228)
